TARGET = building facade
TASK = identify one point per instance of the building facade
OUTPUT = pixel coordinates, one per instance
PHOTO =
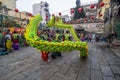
(65, 18)
(84, 12)
(43, 9)
(36, 8)
(104, 9)
(8, 13)
(110, 14)
(11, 4)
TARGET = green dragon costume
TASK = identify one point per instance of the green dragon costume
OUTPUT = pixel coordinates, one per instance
(35, 41)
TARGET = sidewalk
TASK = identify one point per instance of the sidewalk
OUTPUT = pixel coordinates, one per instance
(116, 50)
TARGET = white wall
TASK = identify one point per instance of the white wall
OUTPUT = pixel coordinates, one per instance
(36, 9)
(39, 9)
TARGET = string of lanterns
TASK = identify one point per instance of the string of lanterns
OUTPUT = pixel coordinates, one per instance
(91, 7)
(72, 11)
(29, 14)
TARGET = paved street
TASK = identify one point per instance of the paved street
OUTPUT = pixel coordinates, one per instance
(26, 64)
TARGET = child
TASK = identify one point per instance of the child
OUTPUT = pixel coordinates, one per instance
(16, 41)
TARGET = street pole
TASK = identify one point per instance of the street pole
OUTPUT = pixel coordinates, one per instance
(104, 17)
(20, 19)
(111, 14)
(41, 14)
(41, 8)
(2, 19)
(104, 21)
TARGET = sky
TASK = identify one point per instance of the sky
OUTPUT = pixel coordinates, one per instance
(55, 6)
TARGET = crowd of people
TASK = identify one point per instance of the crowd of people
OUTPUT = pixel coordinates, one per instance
(10, 41)
(98, 38)
(54, 36)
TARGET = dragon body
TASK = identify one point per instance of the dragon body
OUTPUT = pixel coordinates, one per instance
(35, 41)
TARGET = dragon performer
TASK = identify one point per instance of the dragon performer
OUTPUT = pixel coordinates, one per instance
(35, 41)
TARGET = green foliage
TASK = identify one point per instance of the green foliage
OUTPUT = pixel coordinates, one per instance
(117, 29)
(78, 14)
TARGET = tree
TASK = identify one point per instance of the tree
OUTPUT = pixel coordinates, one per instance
(78, 14)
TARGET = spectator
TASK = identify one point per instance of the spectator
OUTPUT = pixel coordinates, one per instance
(1, 40)
(8, 41)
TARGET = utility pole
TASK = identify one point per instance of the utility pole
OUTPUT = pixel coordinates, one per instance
(41, 8)
(104, 21)
(20, 19)
(41, 24)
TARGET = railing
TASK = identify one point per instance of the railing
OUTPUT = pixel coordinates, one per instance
(89, 3)
(84, 22)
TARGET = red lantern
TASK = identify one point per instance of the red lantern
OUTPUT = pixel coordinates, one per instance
(72, 11)
(91, 17)
(80, 10)
(16, 10)
(60, 14)
(101, 4)
(92, 6)
(46, 16)
(78, 20)
(30, 15)
(100, 15)
(85, 19)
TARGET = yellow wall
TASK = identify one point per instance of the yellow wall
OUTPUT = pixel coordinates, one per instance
(18, 14)
(106, 5)
(9, 3)
(21, 15)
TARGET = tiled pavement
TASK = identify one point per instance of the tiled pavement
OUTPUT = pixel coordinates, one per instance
(26, 64)
(116, 50)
